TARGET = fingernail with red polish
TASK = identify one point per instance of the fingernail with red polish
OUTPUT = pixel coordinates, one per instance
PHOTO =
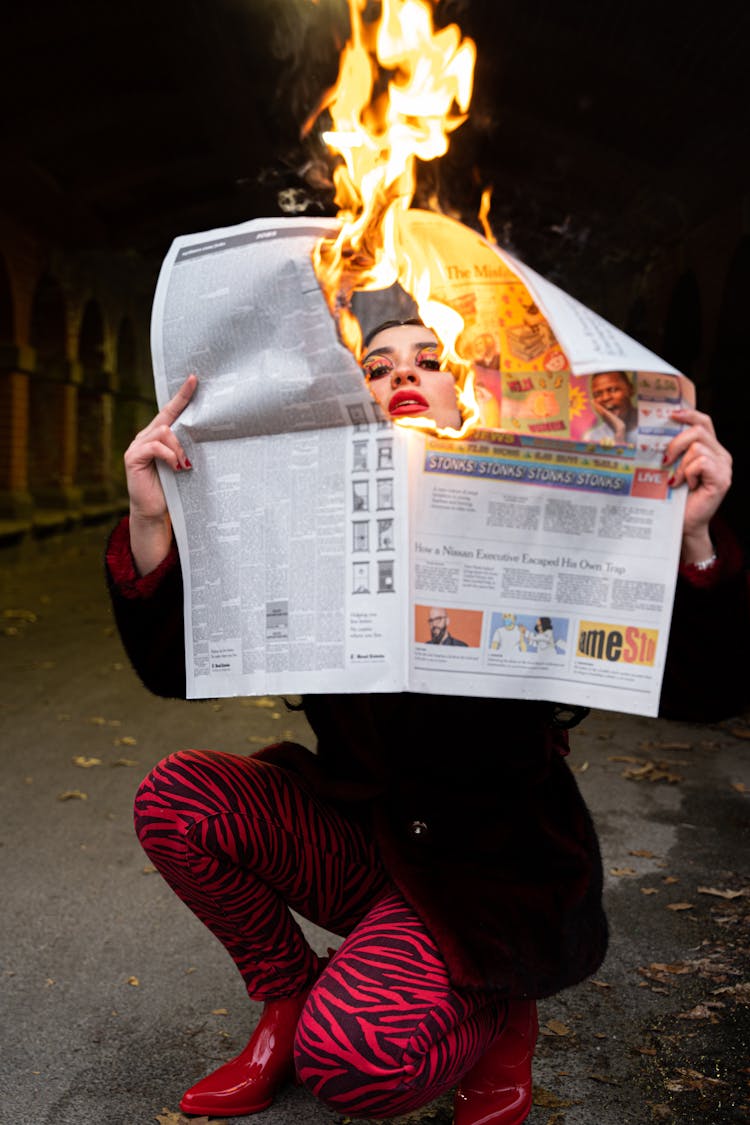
(187, 464)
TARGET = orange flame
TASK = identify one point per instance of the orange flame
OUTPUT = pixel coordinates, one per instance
(379, 137)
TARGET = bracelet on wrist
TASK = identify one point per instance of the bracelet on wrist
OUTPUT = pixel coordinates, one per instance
(706, 564)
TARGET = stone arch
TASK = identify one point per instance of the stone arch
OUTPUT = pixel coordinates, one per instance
(127, 354)
(91, 343)
(683, 324)
(49, 330)
(94, 408)
(51, 398)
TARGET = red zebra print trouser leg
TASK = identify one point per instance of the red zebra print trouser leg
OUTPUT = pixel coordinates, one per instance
(241, 841)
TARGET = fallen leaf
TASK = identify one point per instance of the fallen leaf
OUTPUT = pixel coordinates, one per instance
(125, 740)
(125, 762)
(555, 1027)
(675, 968)
(740, 732)
(624, 758)
(219, 1012)
(85, 763)
(669, 879)
(20, 615)
(649, 890)
(580, 769)
(642, 853)
(665, 745)
(149, 869)
(692, 1080)
(719, 893)
(264, 701)
(740, 787)
(604, 1078)
(98, 720)
(72, 795)
(545, 1099)
(601, 984)
(600, 1035)
(619, 871)
(676, 906)
(739, 992)
(257, 739)
(702, 1012)
(134, 981)
(650, 1051)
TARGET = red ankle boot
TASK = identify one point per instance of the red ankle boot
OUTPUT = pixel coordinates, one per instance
(248, 1083)
(497, 1089)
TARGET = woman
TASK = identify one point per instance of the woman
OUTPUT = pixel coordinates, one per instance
(462, 871)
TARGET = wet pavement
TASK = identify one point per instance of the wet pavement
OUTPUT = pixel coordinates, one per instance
(115, 998)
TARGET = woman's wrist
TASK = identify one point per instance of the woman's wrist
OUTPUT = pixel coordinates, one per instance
(698, 551)
(150, 541)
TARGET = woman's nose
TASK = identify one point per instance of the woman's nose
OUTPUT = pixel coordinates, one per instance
(403, 375)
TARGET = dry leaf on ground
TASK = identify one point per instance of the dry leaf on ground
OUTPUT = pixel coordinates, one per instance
(620, 871)
(705, 1011)
(72, 795)
(134, 982)
(692, 1080)
(604, 1078)
(720, 893)
(84, 762)
(677, 906)
(649, 890)
(555, 1027)
(125, 740)
(125, 762)
(545, 1099)
(168, 1117)
(642, 853)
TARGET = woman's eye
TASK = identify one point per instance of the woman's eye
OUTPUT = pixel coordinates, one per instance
(428, 360)
(376, 368)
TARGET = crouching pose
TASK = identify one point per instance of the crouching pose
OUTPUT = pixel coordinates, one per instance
(443, 838)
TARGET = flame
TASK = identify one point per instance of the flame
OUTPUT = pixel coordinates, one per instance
(379, 136)
(484, 216)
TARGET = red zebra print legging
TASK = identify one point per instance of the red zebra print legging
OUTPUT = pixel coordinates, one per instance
(240, 841)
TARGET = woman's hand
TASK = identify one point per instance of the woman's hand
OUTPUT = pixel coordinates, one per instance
(706, 468)
(150, 526)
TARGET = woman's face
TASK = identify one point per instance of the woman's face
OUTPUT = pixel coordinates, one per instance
(402, 368)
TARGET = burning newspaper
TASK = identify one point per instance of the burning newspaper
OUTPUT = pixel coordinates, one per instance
(325, 549)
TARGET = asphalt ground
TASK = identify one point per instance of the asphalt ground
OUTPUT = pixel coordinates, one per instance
(115, 998)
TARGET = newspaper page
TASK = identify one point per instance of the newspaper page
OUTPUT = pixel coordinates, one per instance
(292, 525)
(544, 550)
(325, 549)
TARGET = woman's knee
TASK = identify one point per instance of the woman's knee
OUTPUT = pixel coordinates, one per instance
(335, 1064)
(167, 792)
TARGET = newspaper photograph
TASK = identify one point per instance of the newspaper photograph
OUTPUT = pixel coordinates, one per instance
(326, 549)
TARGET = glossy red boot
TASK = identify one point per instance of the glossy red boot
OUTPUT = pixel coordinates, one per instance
(248, 1083)
(497, 1089)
